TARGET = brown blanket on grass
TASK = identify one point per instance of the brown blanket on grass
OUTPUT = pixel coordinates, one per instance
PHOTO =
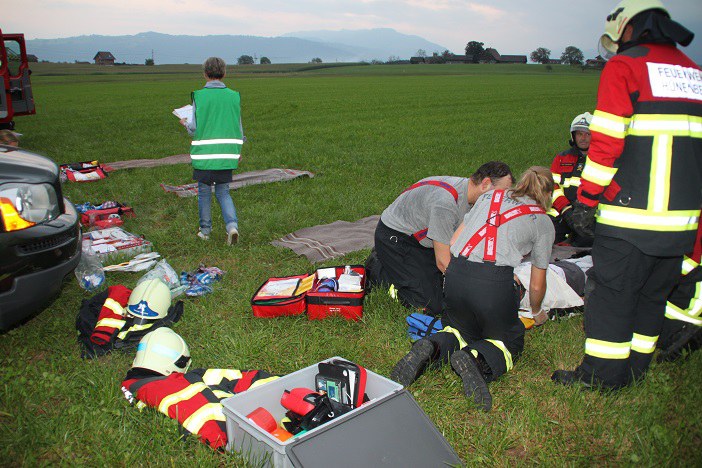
(243, 179)
(319, 243)
(167, 161)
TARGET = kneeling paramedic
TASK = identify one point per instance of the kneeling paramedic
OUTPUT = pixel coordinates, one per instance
(643, 177)
(412, 237)
(567, 168)
(483, 335)
(159, 378)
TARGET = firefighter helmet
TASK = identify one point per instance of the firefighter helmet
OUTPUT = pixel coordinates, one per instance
(162, 351)
(617, 20)
(581, 122)
(150, 300)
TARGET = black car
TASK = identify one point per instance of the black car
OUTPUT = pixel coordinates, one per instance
(40, 239)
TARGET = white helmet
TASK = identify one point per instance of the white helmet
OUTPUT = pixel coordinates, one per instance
(618, 19)
(581, 122)
(150, 300)
(162, 351)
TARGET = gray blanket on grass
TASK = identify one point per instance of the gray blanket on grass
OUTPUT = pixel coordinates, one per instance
(319, 243)
(242, 179)
(133, 163)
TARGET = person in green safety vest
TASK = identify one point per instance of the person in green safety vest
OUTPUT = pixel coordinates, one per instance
(215, 125)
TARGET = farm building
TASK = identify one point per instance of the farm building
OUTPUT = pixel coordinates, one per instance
(493, 56)
(32, 58)
(104, 58)
(452, 58)
(598, 62)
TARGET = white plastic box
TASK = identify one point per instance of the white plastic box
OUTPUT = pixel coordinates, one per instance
(389, 430)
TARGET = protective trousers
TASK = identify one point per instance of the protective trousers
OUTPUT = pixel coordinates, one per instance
(482, 305)
(624, 313)
(410, 269)
(683, 308)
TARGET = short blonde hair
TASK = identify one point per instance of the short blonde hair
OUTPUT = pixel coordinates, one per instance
(214, 68)
(537, 184)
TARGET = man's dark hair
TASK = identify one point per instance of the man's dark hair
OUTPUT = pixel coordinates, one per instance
(495, 170)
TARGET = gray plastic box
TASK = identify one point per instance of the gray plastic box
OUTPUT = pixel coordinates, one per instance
(389, 430)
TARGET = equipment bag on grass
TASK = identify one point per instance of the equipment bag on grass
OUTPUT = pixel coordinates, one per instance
(420, 326)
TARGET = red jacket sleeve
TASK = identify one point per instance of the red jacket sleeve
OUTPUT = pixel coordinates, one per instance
(111, 319)
(609, 127)
(560, 201)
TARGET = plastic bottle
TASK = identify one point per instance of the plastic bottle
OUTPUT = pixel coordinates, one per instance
(89, 271)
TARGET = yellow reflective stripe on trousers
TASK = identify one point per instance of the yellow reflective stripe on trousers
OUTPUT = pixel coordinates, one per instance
(260, 382)
(609, 124)
(183, 395)
(688, 265)
(461, 342)
(673, 125)
(598, 173)
(635, 218)
(110, 322)
(114, 306)
(209, 412)
(215, 376)
(674, 312)
(134, 328)
(607, 349)
(508, 356)
(643, 344)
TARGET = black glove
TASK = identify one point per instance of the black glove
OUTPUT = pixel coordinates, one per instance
(583, 219)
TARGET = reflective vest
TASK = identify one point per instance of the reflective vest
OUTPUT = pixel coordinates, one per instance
(494, 220)
(218, 136)
(566, 168)
(645, 162)
(422, 233)
(193, 399)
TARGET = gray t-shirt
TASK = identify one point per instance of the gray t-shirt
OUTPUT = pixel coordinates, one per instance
(515, 239)
(429, 207)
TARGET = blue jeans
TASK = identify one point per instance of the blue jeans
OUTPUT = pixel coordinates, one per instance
(204, 202)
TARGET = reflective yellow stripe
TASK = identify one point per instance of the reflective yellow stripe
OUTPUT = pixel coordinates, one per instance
(110, 322)
(505, 351)
(221, 394)
(609, 124)
(263, 381)
(674, 312)
(695, 308)
(635, 218)
(558, 193)
(598, 173)
(209, 412)
(114, 306)
(140, 405)
(607, 349)
(461, 342)
(643, 344)
(183, 395)
(134, 328)
(556, 178)
(688, 265)
(392, 292)
(661, 162)
(215, 376)
(571, 182)
(666, 124)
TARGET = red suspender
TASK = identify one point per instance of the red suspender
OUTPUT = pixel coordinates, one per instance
(494, 221)
(419, 235)
(697, 251)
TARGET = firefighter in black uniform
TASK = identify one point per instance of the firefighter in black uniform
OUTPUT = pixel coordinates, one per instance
(642, 177)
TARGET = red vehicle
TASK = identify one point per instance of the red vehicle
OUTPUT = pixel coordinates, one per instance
(16, 97)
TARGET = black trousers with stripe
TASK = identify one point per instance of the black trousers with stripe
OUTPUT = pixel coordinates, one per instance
(411, 268)
(628, 299)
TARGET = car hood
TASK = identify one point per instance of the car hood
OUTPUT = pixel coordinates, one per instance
(23, 166)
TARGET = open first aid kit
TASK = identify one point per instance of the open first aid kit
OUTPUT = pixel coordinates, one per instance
(116, 241)
(333, 413)
(338, 290)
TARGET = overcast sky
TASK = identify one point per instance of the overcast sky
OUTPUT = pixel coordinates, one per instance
(510, 26)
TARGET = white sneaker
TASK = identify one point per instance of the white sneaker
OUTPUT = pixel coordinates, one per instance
(203, 236)
(232, 236)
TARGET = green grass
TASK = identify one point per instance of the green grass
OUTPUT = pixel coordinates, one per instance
(366, 132)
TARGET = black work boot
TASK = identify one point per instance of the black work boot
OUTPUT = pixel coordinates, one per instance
(570, 378)
(474, 384)
(409, 368)
(688, 338)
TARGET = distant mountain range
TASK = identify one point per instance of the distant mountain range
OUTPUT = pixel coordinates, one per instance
(300, 47)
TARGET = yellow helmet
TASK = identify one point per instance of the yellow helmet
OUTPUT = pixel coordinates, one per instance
(162, 351)
(150, 300)
(619, 18)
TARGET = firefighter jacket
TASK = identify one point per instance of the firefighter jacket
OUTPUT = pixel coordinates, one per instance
(566, 168)
(644, 167)
(193, 398)
(218, 136)
(103, 325)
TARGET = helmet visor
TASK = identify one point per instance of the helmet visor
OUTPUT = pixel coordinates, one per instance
(606, 47)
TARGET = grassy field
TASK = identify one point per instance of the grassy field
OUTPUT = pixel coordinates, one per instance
(367, 132)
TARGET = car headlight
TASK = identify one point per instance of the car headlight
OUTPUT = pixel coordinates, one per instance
(24, 205)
